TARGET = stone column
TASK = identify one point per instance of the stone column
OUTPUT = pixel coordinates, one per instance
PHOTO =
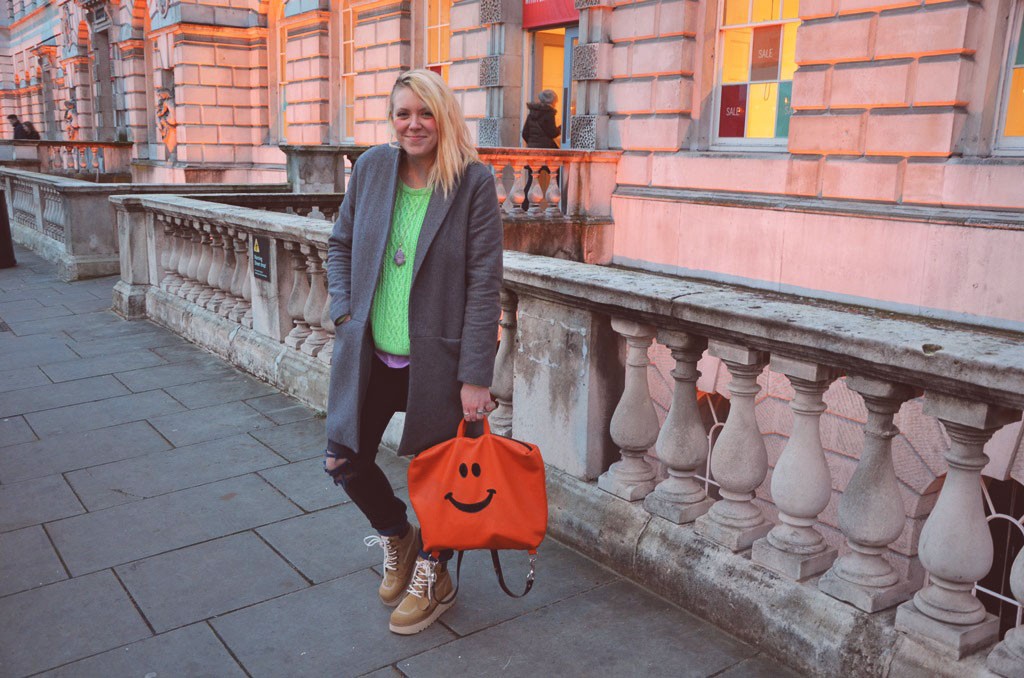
(683, 443)
(592, 71)
(501, 72)
(871, 513)
(504, 366)
(801, 482)
(956, 545)
(314, 307)
(297, 297)
(739, 461)
(1007, 659)
(634, 425)
(130, 291)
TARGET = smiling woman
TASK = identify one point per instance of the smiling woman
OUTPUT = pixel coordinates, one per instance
(414, 273)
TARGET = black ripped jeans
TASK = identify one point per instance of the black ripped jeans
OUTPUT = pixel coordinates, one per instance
(361, 477)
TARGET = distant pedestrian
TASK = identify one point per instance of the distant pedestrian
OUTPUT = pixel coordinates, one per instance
(415, 304)
(19, 129)
(540, 130)
(31, 130)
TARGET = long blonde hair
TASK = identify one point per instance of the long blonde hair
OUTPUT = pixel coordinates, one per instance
(455, 149)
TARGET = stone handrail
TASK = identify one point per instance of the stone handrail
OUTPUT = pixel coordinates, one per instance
(85, 159)
(313, 205)
(71, 222)
(561, 382)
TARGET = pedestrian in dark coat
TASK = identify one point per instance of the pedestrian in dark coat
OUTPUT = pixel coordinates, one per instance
(540, 130)
(414, 275)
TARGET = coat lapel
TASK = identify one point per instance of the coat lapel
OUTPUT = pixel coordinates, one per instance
(377, 238)
(437, 210)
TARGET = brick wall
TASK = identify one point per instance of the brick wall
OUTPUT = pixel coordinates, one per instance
(383, 49)
(307, 78)
(468, 50)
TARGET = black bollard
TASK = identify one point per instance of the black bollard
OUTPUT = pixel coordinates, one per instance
(6, 244)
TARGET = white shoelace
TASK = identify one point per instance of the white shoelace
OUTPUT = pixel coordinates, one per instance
(423, 578)
(390, 546)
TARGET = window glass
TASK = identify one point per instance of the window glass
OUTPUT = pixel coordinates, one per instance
(438, 36)
(758, 48)
(1013, 125)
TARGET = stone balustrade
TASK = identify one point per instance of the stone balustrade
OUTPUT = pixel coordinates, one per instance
(572, 376)
(93, 160)
(71, 222)
(313, 205)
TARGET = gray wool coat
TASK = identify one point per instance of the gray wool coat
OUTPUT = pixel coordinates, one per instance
(454, 303)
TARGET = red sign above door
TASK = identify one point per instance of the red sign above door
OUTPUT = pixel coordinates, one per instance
(546, 13)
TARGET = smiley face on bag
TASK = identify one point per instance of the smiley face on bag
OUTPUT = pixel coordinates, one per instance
(476, 507)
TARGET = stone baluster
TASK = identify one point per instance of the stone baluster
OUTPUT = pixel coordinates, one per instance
(514, 203)
(1007, 659)
(956, 545)
(171, 255)
(228, 272)
(739, 460)
(683, 443)
(801, 481)
(201, 293)
(297, 298)
(314, 308)
(247, 290)
(634, 425)
(553, 196)
(499, 186)
(535, 196)
(326, 321)
(191, 284)
(871, 513)
(504, 363)
(216, 270)
(240, 278)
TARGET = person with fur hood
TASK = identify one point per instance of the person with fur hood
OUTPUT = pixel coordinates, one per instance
(540, 130)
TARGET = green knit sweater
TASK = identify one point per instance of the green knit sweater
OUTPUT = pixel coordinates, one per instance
(389, 315)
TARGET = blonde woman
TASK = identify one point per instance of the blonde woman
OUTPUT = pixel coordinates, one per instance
(414, 274)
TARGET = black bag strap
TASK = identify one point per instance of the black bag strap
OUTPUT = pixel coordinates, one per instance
(497, 571)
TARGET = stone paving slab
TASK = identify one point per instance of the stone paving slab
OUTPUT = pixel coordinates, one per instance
(339, 628)
(176, 353)
(51, 396)
(102, 364)
(617, 629)
(101, 414)
(27, 560)
(14, 431)
(217, 391)
(40, 354)
(149, 340)
(297, 441)
(306, 484)
(192, 652)
(281, 409)
(30, 309)
(31, 502)
(66, 621)
(207, 580)
(80, 449)
(165, 471)
(757, 667)
(64, 323)
(11, 343)
(209, 423)
(25, 377)
(199, 368)
(325, 545)
(145, 528)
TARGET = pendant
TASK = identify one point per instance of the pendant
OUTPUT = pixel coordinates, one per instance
(399, 256)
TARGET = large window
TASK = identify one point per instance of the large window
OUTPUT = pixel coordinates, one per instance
(348, 72)
(757, 48)
(439, 36)
(1011, 129)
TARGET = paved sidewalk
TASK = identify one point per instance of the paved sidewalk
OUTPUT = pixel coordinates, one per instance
(164, 514)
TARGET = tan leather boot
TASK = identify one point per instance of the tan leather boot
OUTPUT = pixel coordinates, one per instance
(399, 559)
(421, 606)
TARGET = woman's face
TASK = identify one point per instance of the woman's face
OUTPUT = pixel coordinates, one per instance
(415, 125)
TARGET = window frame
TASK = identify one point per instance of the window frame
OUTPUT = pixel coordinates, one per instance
(757, 144)
(1003, 145)
(445, 37)
(348, 73)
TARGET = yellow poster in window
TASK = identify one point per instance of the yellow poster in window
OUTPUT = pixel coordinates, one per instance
(762, 102)
(1015, 105)
(736, 12)
(736, 64)
(788, 52)
(766, 10)
(790, 9)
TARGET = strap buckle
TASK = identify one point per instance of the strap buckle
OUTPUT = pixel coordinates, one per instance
(533, 568)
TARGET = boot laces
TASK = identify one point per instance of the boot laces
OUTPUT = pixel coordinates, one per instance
(423, 578)
(390, 546)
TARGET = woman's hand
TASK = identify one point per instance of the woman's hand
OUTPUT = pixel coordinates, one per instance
(476, 402)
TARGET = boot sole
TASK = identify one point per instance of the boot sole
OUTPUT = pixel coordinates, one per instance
(420, 626)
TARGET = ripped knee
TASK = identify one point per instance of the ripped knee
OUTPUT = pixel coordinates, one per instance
(343, 472)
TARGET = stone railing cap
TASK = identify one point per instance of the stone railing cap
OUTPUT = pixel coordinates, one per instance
(963, 360)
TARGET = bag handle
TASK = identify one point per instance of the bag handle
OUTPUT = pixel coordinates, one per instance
(497, 570)
(462, 428)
